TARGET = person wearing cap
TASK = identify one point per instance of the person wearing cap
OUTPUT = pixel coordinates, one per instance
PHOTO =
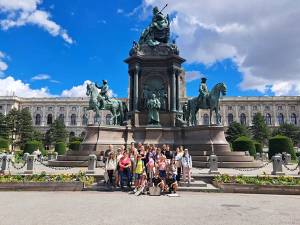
(203, 92)
(187, 166)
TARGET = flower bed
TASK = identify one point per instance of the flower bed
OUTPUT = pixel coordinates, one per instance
(258, 185)
(44, 182)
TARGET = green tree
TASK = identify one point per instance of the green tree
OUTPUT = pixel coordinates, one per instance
(25, 129)
(56, 133)
(236, 130)
(4, 131)
(289, 130)
(259, 129)
(12, 122)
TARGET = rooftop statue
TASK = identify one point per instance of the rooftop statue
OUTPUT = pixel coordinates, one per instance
(158, 31)
(205, 100)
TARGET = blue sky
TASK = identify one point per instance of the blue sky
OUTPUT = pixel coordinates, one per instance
(83, 40)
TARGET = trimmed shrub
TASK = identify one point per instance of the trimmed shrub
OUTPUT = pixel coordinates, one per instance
(279, 144)
(60, 148)
(258, 147)
(4, 145)
(31, 146)
(74, 145)
(244, 143)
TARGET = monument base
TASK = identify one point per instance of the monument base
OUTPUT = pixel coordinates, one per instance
(201, 141)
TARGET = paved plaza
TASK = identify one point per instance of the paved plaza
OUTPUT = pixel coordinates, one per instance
(95, 208)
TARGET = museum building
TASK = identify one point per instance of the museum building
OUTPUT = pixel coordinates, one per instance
(76, 116)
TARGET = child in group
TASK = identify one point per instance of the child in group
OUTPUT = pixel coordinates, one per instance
(162, 166)
(157, 181)
(142, 184)
(138, 170)
(151, 169)
(171, 184)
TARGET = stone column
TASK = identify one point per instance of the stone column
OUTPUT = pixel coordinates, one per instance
(91, 164)
(177, 91)
(136, 88)
(130, 97)
(173, 90)
(30, 165)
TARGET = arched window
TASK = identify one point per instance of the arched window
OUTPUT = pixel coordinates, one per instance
(294, 119)
(73, 119)
(38, 119)
(280, 119)
(230, 118)
(205, 119)
(108, 119)
(243, 119)
(49, 119)
(61, 117)
(268, 119)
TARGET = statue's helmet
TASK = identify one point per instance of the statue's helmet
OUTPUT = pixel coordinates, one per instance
(204, 79)
(155, 10)
(104, 81)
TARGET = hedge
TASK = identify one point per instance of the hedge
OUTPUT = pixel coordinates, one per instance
(244, 143)
(4, 145)
(31, 146)
(60, 148)
(280, 144)
(74, 145)
(258, 147)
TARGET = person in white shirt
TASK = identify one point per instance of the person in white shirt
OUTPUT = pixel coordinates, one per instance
(187, 165)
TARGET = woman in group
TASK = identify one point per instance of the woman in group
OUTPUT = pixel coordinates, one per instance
(138, 170)
(125, 170)
(110, 168)
(187, 166)
(178, 158)
(120, 152)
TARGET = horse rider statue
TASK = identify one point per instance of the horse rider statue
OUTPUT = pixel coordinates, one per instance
(103, 94)
(203, 92)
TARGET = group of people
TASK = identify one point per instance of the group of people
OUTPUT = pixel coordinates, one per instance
(146, 166)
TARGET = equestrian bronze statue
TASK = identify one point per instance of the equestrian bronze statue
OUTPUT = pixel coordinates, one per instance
(205, 100)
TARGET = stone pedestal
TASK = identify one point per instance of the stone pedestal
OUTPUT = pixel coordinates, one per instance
(202, 141)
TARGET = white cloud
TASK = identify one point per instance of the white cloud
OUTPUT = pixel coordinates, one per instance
(11, 86)
(80, 91)
(3, 65)
(261, 37)
(41, 77)
(193, 75)
(22, 12)
(76, 91)
(120, 11)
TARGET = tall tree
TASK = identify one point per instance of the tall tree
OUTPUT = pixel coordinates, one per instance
(289, 130)
(236, 130)
(4, 131)
(25, 130)
(56, 133)
(260, 131)
(12, 121)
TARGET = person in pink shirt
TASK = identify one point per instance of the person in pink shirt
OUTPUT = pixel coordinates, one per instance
(124, 167)
(162, 165)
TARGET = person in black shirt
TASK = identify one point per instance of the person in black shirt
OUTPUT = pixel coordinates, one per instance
(158, 182)
(171, 183)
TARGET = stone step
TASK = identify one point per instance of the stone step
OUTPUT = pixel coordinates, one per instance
(72, 158)
(253, 164)
(232, 158)
(58, 163)
(201, 187)
(195, 183)
(221, 153)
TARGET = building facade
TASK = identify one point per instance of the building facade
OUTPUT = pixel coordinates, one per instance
(76, 116)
